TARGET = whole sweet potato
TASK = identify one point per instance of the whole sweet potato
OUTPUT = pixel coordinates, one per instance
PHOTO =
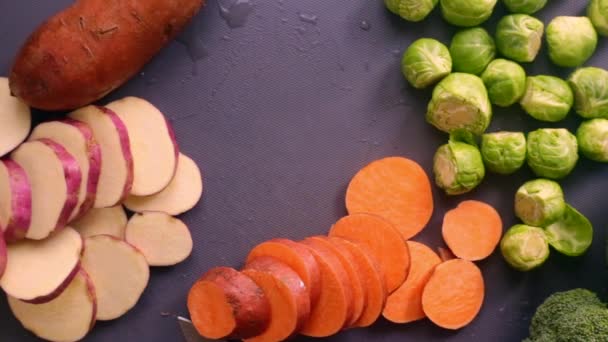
(92, 47)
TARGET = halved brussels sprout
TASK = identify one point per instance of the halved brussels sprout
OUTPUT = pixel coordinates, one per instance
(547, 98)
(590, 87)
(598, 14)
(467, 13)
(425, 62)
(592, 138)
(540, 202)
(411, 10)
(519, 37)
(572, 234)
(503, 152)
(571, 40)
(552, 152)
(460, 101)
(505, 81)
(525, 6)
(524, 247)
(458, 167)
(472, 50)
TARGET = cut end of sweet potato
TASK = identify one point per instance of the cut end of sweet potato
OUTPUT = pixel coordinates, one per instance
(164, 240)
(69, 317)
(38, 271)
(15, 121)
(119, 273)
(3, 255)
(182, 194)
(103, 221)
(225, 303)
(15, 200)
(154, 150)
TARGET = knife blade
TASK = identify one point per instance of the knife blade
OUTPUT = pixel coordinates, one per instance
(189, 332)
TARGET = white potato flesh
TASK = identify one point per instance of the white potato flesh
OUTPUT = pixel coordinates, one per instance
(116, 173)
(76, 137)
(66, 318)
(38, 271)
(119, 273)
(181, 195)
(54, 177)
(152, 144)
(15, 119)
(102, 221)
(162, 239)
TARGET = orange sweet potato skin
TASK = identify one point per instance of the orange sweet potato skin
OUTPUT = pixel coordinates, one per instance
(92, 47)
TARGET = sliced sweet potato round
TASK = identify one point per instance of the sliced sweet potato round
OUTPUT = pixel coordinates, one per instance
(15, 121)
(102, 221)
(225, 303)
(15, 200)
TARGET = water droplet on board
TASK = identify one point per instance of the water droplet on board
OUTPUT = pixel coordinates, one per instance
(365, 25)
(236, 12)
(308, 18)
(284, 20)
(194, 46)
(301, 29)
(396, 52)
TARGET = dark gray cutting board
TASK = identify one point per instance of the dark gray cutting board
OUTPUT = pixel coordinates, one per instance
(280, 114)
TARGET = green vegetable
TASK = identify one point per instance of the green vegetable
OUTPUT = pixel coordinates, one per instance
(460, 101)
(503, 152)
(411, 10)
(472, 50)
(425, 62)
(458, 167)
(540, 202)
(592, 139)
(598, 14)
(467, 13)
(505, 81)
(552, 152)
(519, 37)
(572, 234)
(590, 87)
(572, 316)
(525, 6)
(547, 98)
(572, 40)
(524, 247)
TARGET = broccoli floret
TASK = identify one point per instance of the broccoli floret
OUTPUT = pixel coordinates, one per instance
(571, 313)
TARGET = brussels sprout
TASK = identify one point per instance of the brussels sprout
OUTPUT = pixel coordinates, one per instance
(505, 81)
(590, 87)
(467, 13)
(539, 202)
(572, 234)
(503, 152)
(571, 40)
(460, 101)
(425, 62)
(524, 247)
(458, 167)
(519, 37)
(547, 98)
(598, 14)
(592, 138)
(552, 152)
(472, 50)
(525, 6)
(411, 10)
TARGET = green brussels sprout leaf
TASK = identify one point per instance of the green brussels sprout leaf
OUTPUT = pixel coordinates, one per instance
(461, 135)
(524, 247)
(519, 37)
(571, 40)
(590, 87)
(552, 152)
(539, 202)
(458, 167)
(598, 14)
(525, 6)
(503, 152)
(547, 98)
(505, 81)
(592, 139)
(572, 234)
(411, 10)
(467, 13)
(472, 50)
(425, 62)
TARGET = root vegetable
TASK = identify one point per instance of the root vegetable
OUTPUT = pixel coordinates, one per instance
(162, 239)
(153, 146)
(15, 200)
(103, 221)
(225, 303)
(116, 174)
(54, 177)
(15, 121)
(38, 271)
(77, 138)
(68, 317)
(119, 273)
(181, 195)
